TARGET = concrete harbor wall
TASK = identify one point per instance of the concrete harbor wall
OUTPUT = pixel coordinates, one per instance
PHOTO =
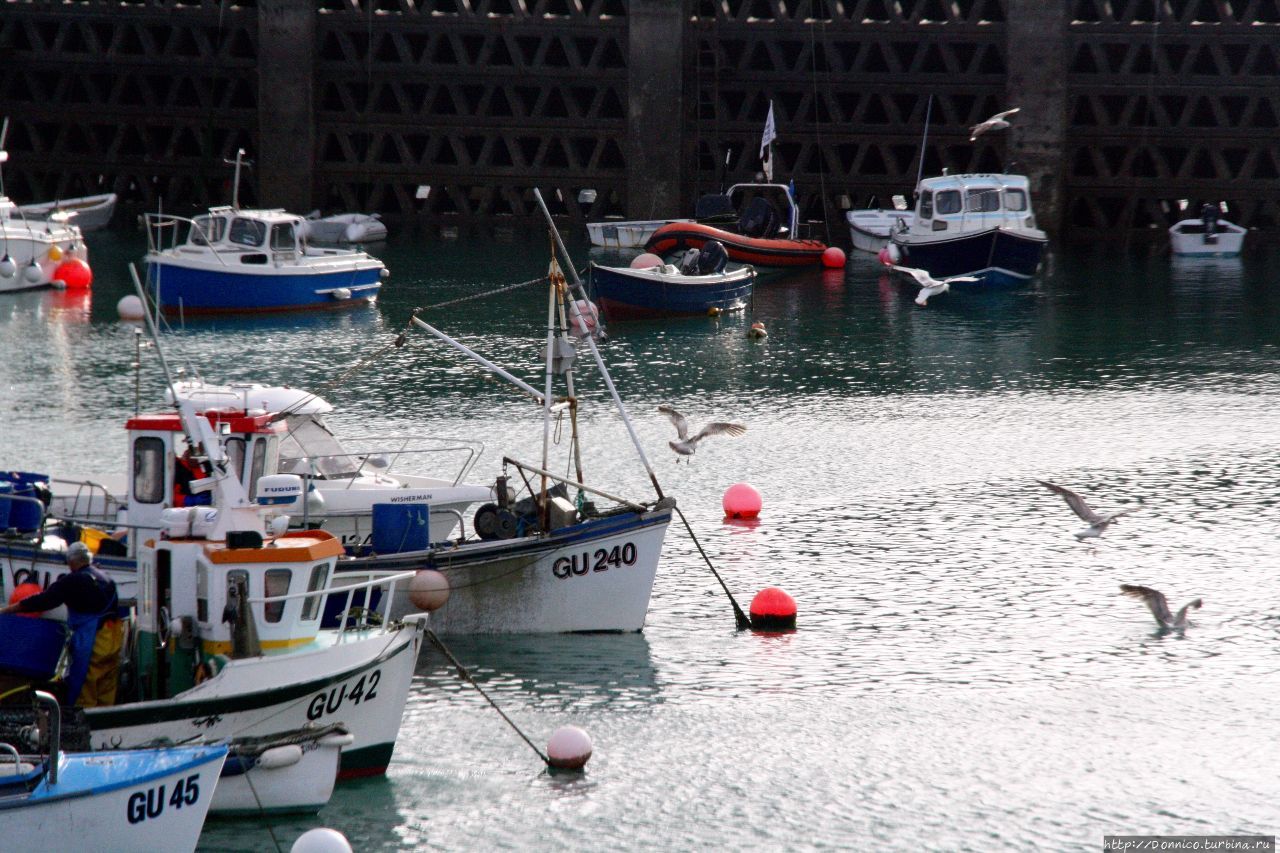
(450, 111)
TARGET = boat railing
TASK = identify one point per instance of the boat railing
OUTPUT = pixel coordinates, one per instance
(165, 233)
(380, 455)
(347, 591)
(91, 502)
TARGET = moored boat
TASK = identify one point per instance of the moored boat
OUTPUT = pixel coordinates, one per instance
(765, 234)
(89, 213)
(345, 228)
(284, 773)
(979, 225)
(1210, 236)
(618, 234)
(693, 288)
(870, 229)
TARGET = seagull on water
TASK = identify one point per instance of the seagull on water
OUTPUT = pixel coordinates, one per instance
(996, 122)
(686, 445)
(930, 286)
(1159, 606)
(1097, 522)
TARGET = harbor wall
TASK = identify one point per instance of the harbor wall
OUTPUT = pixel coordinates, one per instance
(448, 112)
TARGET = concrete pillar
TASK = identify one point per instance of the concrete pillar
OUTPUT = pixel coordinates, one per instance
(655, 108)
(285, 159)
(1036, 51)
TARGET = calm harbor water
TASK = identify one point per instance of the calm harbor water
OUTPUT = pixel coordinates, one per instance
(966, 675)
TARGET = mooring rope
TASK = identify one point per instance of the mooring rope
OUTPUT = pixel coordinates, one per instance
(743, 620)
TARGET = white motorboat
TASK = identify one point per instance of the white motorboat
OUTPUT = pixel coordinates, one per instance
(144, 799)
(345, 228)
(90, 213)
(870, 229)
(286, 773)
(1209, 236)
(618, 234)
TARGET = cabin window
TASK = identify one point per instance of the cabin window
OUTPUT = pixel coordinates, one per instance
(258, 464)
(949, 201)
(234, 448)
(983, 200)
(247, 232)
(311, 606)
(202, 593)
(234, 577)
(208, 229)
(277, 583)
(1015, 200)
(926, 204)
(282, 239)
(148, 470)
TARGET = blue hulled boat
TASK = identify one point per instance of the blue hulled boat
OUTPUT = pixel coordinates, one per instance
(699, 285)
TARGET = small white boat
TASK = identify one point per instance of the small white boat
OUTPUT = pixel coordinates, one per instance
(287, 773)
(145, 799)
(90, 213)
(345, 228)
(1212, 238)
(871, 229)
(625, 235)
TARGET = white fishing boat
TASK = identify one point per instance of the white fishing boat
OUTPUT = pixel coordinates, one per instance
(146, 799)
(1209, 236)
(870, 229)
(38, 252)
(89, 213)
(286, 773)
(619, 234)
(348, 228)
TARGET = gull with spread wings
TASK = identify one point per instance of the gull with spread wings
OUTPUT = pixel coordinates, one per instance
(996, 122)
(1097, 522)
(686, 445)
(930, 286)
(1159, 605)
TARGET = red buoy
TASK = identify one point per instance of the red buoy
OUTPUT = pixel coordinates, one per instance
(74, 273)
(25, 590)
(833, 257)
(742, 500)
(773, 610)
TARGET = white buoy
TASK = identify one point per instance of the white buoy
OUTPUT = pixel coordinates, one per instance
(130, 308)
(322, 839)
(429, 590)
(569, 748)
(280, 756)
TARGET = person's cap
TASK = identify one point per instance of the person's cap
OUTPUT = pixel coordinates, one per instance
(81, 550)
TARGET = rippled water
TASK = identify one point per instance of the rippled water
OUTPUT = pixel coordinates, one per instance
(966, 674)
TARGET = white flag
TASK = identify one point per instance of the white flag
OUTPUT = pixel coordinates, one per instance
(770, 134)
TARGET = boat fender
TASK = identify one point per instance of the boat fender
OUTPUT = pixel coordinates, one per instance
(341, 294)
(337, 741)
(280, 756)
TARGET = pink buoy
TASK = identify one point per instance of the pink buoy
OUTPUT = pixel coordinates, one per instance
(742, 500)
(584, 323)
(645, 260)
(773, 610)
(833, 257)
(429, 590)
(569, 748)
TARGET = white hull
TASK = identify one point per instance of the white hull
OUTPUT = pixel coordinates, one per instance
(164, 812)
(28, 243)
(871, 230)
(560, 584)
(625, 235)
(263, 695)
(347, 228)
(1187, 238)
(302, 787)
(90, 213)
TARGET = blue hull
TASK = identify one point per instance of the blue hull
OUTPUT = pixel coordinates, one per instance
(996, 256)
(196, 291)
(627, 297)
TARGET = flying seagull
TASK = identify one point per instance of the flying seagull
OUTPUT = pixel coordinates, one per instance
(686, 445)
(930, 286)
(996, 122)
(1155, 600)
(1097, 523)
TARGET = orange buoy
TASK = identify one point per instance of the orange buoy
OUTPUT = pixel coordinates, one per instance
(833, 257)
(773, 610)
(25, 590)
(74, 272)
(742, 500)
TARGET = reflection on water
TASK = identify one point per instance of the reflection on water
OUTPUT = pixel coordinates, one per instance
(965, 675)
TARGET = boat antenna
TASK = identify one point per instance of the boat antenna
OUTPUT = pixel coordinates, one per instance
(924, 138)
(591, 344)
(235, 185)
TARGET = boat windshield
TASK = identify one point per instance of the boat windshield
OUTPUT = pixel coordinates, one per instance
(983, 200)
(948, 201)
(1015, 200)
(309, 439)
(208, 229)
(247, 232)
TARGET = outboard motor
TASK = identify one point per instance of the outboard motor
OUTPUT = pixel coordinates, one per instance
(759, 219)
(689, 262)
(713, 258)
(1209, 218)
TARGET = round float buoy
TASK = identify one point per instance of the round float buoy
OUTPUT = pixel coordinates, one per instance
(8, 269)
(584, 323)
(322, 839)
(33, 273)
(55, 254)
(429, 590)
(644, 260)
(833, 257)
(773, 610)
(130, 308)
(569, 748)
(25, 590)
(757, 331)
(713, 311)
(742, 500)
(74, 273)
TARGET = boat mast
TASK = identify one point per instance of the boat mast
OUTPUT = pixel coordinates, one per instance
(546, 394)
